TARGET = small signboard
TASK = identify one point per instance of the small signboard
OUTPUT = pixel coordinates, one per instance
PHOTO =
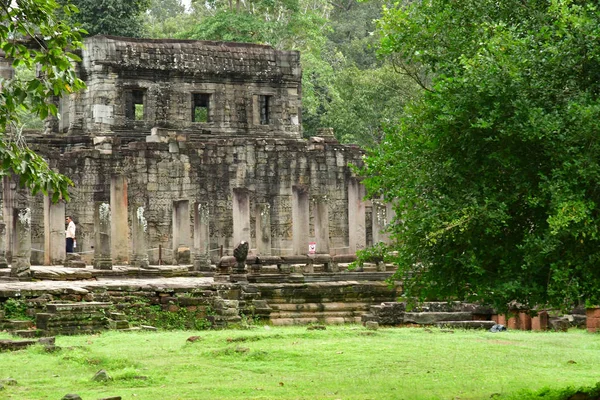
(312, 248)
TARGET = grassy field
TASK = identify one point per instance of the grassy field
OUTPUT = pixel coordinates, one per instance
(346, 362)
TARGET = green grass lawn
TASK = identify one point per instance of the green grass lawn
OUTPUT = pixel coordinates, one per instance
(346, 362)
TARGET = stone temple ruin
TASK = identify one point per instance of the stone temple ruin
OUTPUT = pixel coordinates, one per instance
(179, 151)
(191, 147)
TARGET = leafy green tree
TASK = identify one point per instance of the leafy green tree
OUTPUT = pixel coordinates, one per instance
(166, 19)
(365, 101)
(494, 172)
(32, 37)
(109, 17)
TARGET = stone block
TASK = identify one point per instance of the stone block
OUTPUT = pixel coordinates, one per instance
(372, 325)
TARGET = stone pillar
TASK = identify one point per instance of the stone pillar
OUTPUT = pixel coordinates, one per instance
(300, 220)
(380, 222)
(139, 236)
(21, 265)
(119, 226)
(54, 232)
(390, 214)
(263, 229)
(102, 245)
(357, 232)
(321, 221)
(201, 237)
(3, 262)
(181, 232)
(241, 216)
(6, 69)
(8, 204)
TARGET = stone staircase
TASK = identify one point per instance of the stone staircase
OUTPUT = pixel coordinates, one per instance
(69, 319)
(320, 302)
(442, 314)
(308, 313)
(12, 325)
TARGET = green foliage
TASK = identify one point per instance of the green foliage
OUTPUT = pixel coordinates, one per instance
(165, 19)
(380, 252)
(109, 17)
(31, 36)
(141, 312)
(15, 309)
(180, 319)
(366, 101)
(494, 171)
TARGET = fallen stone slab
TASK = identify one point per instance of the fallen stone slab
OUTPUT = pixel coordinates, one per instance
(14, 345)
(431, 318)
(467, 324)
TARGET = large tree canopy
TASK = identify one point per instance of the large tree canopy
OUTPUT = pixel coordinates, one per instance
(32, 39)
(495, 172)
(109, 17)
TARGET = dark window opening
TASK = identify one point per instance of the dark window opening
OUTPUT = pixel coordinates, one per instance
(265, 112)
(200, 107)
(134, 105)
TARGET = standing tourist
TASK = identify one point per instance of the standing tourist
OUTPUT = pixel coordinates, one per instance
(70, 234)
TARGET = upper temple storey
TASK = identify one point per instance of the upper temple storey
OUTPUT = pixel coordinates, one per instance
(216, 88)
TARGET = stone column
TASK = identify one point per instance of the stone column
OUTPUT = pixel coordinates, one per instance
(263, 229)
(119, 226)
(201, 237)
(181, 232)
(321, 221)
(21, 265)
(300, 219)
(241, 216)
(54, 232)
(102, 245)
(8, 204)
(6, 69)
(357, 232)
(379, 222)
(139, 236)
(3, 262)
(390, 214)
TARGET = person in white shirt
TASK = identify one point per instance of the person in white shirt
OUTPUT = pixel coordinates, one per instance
(70, 234)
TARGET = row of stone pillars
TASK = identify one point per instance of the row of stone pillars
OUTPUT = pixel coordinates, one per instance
(111, 238)
(15, 230)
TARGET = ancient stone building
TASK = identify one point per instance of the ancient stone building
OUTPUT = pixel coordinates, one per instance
(190, 145)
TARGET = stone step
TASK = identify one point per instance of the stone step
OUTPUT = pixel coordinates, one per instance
(466, 324)
(324, 314)
(430, 318)
(29, 333)
(307, 307)
(315, 320)
(118, 324)
(18, 325)
(77, 307)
